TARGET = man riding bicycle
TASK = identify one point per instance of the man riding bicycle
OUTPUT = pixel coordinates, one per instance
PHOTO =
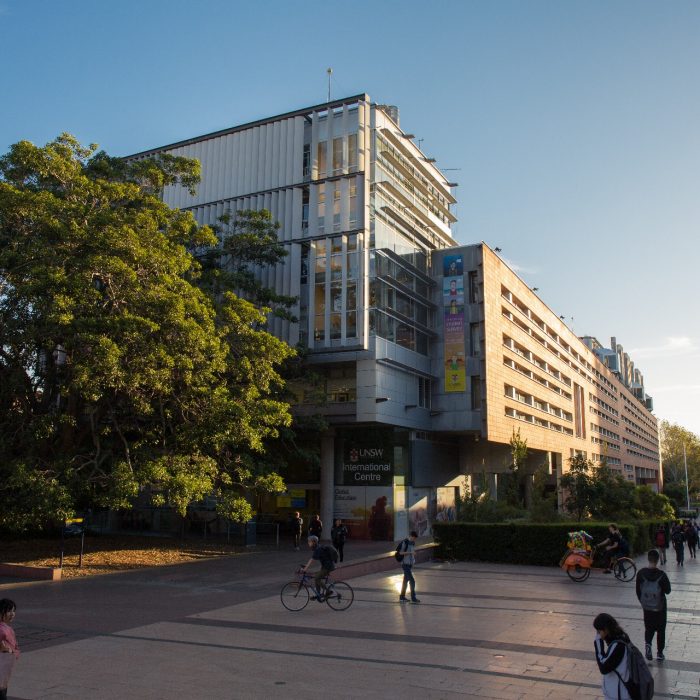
(326, 555)
(615, 546)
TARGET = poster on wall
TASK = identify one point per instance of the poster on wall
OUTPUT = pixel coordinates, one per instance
(452, 266)
(418, 519)
(366, 510)
(453, 291)
(455, 371)
(446, 504)
(453, 316)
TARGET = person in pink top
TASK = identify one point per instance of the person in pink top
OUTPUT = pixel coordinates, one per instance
(9, 650)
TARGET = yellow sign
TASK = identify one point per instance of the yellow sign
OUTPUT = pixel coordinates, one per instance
(70, 521)
(284, 502)
(297, 493)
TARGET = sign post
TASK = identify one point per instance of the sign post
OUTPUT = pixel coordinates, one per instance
(73, 526)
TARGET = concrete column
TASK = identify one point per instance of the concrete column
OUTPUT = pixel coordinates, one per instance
(327, 482)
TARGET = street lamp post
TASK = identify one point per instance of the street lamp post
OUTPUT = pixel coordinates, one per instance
(687, 492)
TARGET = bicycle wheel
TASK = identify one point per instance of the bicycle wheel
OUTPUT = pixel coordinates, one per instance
(294, 596)
(578, 573)
(625, 569)
(340, 595)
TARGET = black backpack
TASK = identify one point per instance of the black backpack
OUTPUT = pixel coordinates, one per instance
(397, 554)
(329, 556)
(640, 685)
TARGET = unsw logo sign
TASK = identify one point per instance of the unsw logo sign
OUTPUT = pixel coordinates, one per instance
(356, 454)
(367, 465)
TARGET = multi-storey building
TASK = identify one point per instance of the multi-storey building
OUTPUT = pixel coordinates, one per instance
(526, 371)
(431, 354)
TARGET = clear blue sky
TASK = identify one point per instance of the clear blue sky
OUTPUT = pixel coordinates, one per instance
(574, 126)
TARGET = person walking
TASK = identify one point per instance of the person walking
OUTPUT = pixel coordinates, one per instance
(9, 650)
(678, 539)
(661, 544)
(652, 588)
(408, 549)
(691, 537)
(316, 526)
(297, 525)
(339, 533)
(612, 661)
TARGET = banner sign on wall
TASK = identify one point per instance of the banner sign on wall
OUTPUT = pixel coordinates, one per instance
(453, 316)
(368, 465)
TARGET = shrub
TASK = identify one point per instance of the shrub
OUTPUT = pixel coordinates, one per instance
(540, 544)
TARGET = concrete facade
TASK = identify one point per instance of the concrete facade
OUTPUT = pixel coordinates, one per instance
(432, 354)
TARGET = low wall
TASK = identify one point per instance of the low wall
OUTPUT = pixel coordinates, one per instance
(381, 562)
(40, 573)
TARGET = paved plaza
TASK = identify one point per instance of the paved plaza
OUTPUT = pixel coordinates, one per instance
(216, 629)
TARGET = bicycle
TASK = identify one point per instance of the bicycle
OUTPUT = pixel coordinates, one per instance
(295, 595)
(578, 565)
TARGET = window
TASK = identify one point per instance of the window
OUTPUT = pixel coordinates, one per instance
(476, 393)
(336, 207)
(305, 210)
(352, 152)
(337, 155)
(322, 148)
(424, 392)
(307, 161)
(304, 263)
(580, 418)
(473, 287)
(353, 205)
(320, 272)
(321, 208)
(336, 297)
(474, 339)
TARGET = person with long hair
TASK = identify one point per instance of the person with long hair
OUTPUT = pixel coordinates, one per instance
(611, 656)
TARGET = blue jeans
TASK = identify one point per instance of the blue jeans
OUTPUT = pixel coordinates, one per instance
(408, 579)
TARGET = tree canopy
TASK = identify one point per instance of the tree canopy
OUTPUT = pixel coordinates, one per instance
(673, 439)
(120, 372)
(599, 492)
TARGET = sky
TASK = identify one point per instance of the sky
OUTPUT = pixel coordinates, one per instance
(571, 126)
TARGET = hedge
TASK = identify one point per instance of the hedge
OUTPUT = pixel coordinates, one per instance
(541, 544)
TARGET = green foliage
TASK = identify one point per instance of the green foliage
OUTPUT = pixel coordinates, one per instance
(579, 489)
(246, 241)
(650, 505)
(120, 369)
(523, 543)
(543, 508)
(515, 492)
(482, 508)
(673, 440)
(612, 496)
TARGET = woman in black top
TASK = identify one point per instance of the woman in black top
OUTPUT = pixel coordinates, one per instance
(611, 656)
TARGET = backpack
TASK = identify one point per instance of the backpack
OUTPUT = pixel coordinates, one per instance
(640, 685)
(651, 596)
(328, 557)
(397, 554)
(660, 539)
(678, 538)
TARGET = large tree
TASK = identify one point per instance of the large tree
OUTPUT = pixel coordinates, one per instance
(674, 439)
(119, 372)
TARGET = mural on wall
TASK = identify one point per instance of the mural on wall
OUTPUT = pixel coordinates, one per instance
(418, 520)
(453, 316)
(366, 510)
(446, 504)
